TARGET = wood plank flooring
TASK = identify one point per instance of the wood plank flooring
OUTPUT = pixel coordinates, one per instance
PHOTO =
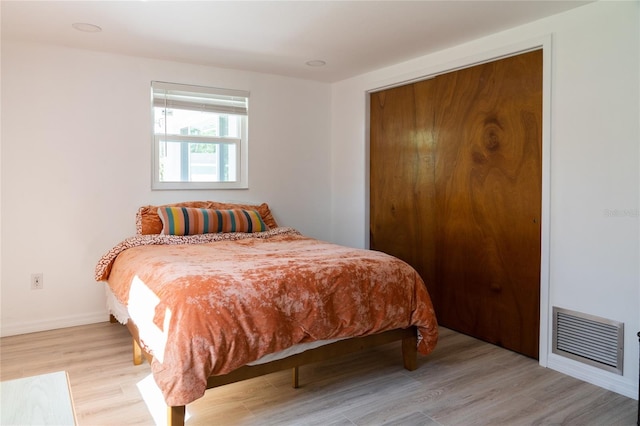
(464, 382)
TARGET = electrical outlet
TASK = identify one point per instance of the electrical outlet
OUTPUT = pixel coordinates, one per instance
(37, 281)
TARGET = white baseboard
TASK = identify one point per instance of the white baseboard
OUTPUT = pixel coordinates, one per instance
(610, 381)
(51, 324)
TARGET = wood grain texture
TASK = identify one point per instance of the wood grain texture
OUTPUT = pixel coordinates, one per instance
(455, 191)
(38, 400)
(464, 381)
(402, 179)
(488, 180)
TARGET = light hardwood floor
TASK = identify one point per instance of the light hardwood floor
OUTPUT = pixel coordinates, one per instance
(463, 382)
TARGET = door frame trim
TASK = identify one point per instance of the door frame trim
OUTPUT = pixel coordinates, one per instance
(543, 43)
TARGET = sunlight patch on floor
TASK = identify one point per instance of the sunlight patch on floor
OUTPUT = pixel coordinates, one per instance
(154, 400)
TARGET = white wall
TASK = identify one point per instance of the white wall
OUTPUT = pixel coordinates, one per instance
(592, 165)
(76, 158)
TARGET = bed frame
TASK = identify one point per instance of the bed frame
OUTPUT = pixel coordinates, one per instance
(409, 337)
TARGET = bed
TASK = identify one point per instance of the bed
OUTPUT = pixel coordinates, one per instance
(214, 293)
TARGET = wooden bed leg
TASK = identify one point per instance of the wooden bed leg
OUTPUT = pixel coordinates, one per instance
(137, 353)
(410, 352)
(175, 415)
(294, 378)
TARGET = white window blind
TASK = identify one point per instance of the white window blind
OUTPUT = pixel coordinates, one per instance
(199, 98)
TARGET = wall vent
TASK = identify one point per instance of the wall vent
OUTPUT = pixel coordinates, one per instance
(589, 339)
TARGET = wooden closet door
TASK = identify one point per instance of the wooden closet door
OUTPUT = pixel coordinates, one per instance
(402, 180)
(489, 186)
(456, 192)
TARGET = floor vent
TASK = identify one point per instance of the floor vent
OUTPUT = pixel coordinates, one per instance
(586, 338)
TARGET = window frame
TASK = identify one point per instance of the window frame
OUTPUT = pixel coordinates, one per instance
(241, 143)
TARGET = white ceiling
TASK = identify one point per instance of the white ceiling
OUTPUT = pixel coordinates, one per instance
(276, 37)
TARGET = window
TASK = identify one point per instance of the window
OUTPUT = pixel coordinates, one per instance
(199, 137)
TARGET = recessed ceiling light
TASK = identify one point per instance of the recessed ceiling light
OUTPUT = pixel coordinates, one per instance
(316, 63)
(87, 28)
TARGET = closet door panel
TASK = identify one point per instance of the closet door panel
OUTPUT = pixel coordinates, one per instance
(488, 192)
(402, 192)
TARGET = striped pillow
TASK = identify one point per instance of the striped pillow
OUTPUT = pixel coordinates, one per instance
(191, 221)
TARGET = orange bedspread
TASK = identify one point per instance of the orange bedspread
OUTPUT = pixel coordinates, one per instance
(207, 308)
